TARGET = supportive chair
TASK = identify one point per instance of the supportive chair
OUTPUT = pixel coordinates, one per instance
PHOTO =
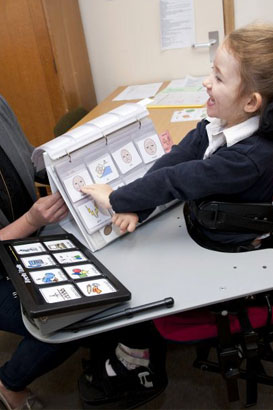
(241, 331)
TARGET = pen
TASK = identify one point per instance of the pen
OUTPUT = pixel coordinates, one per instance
(125, 313)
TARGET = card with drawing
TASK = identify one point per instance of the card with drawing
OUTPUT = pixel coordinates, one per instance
(110, 232)
(29, 248)
(75, 181)
(44, 276)
(63, 293)
(96, 287)
(127, 157)
(150, 148)
(82, 271)
(39, 261)
(166, 141)
(69, 257)
(59, 245)
(103, 170)
(92, 216)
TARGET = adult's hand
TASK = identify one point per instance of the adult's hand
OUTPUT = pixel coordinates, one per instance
(47, 210)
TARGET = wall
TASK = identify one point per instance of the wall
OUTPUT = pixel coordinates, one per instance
(123, 41)
(247, 11)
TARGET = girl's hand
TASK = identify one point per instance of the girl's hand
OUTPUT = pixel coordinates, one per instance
(47, 210)
(126, 221)
(100, 193)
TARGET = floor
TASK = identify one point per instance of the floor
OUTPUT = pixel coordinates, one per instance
(188, 388)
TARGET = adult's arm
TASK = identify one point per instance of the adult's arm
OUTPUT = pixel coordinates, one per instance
(49, 209)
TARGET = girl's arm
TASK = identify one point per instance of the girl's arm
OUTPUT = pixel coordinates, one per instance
(225, 173)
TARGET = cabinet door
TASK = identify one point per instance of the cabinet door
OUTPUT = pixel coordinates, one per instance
(44, 70)
(28, 77)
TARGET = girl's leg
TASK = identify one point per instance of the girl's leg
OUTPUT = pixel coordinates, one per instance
(127, 368)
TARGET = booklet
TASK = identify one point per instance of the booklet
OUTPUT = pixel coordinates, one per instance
(115, 148)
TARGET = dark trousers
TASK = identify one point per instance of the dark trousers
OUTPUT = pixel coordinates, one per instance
(32, 358)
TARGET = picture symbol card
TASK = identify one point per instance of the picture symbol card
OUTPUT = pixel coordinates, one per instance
(69, 257)
(59, 245)
(127, 157)
(45, 276)
(103, 170)
(110, 232)
(96, 287)
(82, 271)
(38, 261)
(150, 148)
(29, 248)
(75, 182)
(55, 294)
(92, 216)
(166, 141)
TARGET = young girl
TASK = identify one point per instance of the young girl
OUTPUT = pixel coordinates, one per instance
(229, 158)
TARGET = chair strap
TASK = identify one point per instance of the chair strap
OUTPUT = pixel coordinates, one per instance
(247, 217)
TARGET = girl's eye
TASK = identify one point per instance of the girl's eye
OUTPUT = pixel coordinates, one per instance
(214, 73)
(218, 78)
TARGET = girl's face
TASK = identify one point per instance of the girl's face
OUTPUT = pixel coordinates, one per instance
(223, 89)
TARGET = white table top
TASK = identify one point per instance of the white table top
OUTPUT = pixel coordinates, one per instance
(160, 260)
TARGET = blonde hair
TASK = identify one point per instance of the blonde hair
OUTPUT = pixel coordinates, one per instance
(252, 46)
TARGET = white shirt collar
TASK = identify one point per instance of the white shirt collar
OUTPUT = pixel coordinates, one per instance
(218, 135)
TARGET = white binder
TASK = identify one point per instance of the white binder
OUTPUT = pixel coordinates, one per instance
(114, 148)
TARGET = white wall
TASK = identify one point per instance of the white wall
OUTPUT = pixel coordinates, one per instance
(247, 11)
(123, 41)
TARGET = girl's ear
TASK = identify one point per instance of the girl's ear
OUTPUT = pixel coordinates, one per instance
(253, 103)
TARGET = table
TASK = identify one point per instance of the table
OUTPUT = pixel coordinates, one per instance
(160, 260)
(161, 117)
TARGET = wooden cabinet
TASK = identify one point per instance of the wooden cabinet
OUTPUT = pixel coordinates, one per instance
(44, 70)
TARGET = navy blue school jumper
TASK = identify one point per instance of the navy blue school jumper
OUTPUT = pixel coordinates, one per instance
(240, 173)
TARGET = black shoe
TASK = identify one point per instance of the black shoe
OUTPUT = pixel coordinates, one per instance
(128, 390)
